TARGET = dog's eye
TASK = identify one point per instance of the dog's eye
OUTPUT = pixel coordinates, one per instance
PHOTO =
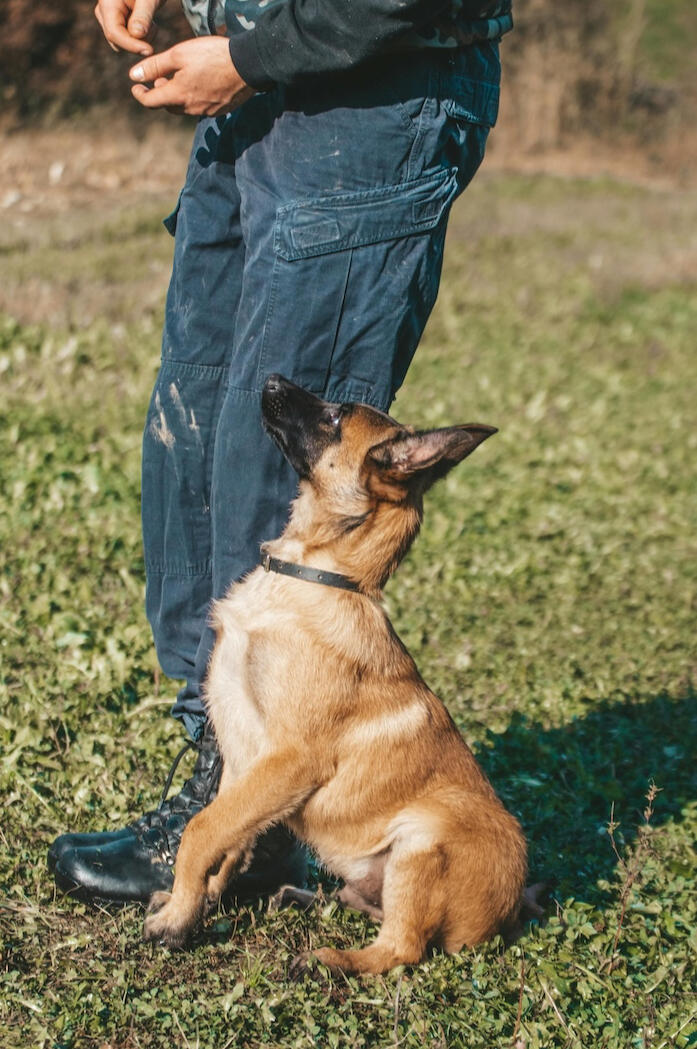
(333, 417)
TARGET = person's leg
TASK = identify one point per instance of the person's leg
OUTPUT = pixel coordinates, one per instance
(133, 862)
(344, 209)
(183, 414)
(330, 204)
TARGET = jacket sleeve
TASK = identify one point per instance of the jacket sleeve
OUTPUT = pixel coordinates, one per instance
(302, 38)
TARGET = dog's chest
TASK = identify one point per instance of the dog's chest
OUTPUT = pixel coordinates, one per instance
(235, 705)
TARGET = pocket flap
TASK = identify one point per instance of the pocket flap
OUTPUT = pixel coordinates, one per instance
(349, 220)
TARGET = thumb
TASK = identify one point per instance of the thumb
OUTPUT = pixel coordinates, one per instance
(155, 67)
(140, 23)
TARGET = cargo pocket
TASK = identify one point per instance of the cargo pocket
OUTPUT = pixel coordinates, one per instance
(473, 101)
(471, 108)
(340, 261)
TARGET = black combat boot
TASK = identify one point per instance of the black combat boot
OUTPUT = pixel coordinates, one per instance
(131, 864)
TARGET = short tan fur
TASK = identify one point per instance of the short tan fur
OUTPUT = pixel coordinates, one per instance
(324, 722)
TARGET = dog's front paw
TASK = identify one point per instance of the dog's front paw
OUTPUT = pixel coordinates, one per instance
(303, 965)
(157, 901)
(165, 923)
(309, 965)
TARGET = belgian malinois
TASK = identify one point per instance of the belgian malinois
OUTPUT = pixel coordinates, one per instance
(322, 718)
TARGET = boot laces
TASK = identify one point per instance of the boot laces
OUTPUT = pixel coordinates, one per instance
(172, 814)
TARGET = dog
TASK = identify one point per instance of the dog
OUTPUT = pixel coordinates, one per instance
(322, 718)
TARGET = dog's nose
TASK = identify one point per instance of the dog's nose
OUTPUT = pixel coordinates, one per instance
(274, 383)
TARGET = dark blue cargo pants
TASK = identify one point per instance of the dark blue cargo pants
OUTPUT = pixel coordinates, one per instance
(309, 241)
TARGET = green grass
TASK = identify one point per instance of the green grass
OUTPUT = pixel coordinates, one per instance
(550, 601)
(666, 50)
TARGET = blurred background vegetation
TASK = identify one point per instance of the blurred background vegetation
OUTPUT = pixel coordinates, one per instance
(575, 67)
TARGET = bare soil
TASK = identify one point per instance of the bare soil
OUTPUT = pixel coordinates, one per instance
(49, 172)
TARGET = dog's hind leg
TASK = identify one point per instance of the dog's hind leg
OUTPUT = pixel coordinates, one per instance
(289, 896)
(413, 904)
(348, 896)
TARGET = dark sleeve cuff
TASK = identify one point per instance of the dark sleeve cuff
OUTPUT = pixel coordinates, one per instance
(244, 53)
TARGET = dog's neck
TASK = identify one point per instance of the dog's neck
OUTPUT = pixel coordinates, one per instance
(366, 547)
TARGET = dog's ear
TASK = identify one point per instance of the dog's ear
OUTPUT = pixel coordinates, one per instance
(428, 455)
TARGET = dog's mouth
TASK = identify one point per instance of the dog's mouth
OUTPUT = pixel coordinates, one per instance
(301, 424)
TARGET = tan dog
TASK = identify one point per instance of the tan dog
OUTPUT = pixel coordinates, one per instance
(321, 716)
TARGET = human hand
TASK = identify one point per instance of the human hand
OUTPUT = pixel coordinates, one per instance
(196, 77)
(128, 24)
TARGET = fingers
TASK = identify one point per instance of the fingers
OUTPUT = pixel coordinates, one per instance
(157, 70)
(112, 16)
(194, 77)
(98, 16)
(165, 95)
(141, 24)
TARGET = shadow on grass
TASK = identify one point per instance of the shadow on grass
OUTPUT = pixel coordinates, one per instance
(562, 782)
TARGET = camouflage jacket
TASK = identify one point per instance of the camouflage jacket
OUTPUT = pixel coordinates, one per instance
(282, 41)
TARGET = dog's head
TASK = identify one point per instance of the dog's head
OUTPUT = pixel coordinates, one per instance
(354, 460)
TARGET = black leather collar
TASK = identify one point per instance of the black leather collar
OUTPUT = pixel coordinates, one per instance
(310, 575)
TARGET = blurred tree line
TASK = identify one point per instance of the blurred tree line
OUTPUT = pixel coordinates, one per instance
(55, 61)
(570, 65)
